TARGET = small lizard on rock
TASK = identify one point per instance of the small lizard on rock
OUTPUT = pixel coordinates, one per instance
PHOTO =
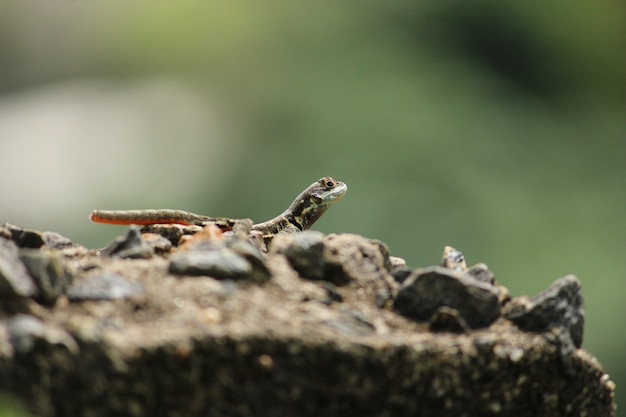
(308, 206)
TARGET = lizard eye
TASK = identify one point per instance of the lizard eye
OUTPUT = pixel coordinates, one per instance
(329, 182)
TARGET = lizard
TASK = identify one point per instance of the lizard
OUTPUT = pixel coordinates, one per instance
(305, 210)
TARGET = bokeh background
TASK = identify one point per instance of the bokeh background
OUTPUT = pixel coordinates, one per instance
(496, 127)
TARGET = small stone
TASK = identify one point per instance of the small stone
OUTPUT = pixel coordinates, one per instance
(54, 240)
(219, 262)
(25, 238)
(503, 295)
(350, 322)
(14, 278)
(305, 254)
(252, 254)
(129, 245)
(104, 286)
(559, 306)
(242, 228)
(396, 262)
(5, 233)
(448, 319)
(49, 271)
(401, 274)
(428, 289)
(453, 259)
(25, 331)
(482, 273)
(171, 232)
(157, 242)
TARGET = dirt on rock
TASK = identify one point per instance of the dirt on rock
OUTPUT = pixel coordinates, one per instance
(307, 327)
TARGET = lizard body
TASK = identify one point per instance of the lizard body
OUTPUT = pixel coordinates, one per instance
(308, 206)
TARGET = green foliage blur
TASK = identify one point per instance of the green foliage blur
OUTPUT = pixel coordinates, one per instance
(12, 407)
(496, 127)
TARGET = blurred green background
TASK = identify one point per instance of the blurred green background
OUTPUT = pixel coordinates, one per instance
(497, 128)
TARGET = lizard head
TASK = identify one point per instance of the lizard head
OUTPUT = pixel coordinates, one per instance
(315, 200)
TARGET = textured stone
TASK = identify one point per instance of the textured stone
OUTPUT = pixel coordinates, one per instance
(559, 306)
(447, 319)
(305, 253)
(428, 289)
(26, 332)
(482, 273)
(158, 243)
(289, 346)
(130, 245)
(25, 238)
(219, 262)
(253, 255)
(14, 278)
(54, 240)
(49, 271)
(171, 232)
(104, 286)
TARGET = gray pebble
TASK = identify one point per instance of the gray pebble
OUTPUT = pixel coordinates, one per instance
(559, 306)
(26, 330)
(129, 245)
(14, 278)
(104, 286)
(220, 263)
(49, 271)
(253, 255)
(305, 254)
(428, 289)
(482, 273)
(158, 243)
(54, 240)
(171, 232)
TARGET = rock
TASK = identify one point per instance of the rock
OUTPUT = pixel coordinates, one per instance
(129, 245)
(25, 238)
(171, 232)
(26, 331)
(482, 273)
(305, 253)
(428, 289)
(250, 252)
(557, 312)
(453, 259)
(104, 286)
(331, 292)
(347, 260)
(5, 233)
(559, 306)
(54, 240)
(448, 319)
(350, 322)
(218, 262)
(49, 271)
(401, 274)
(14, 278)
(396, 262)
(332, 346)
(158, 243)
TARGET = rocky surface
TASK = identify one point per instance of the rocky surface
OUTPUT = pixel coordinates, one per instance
(169, 321)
